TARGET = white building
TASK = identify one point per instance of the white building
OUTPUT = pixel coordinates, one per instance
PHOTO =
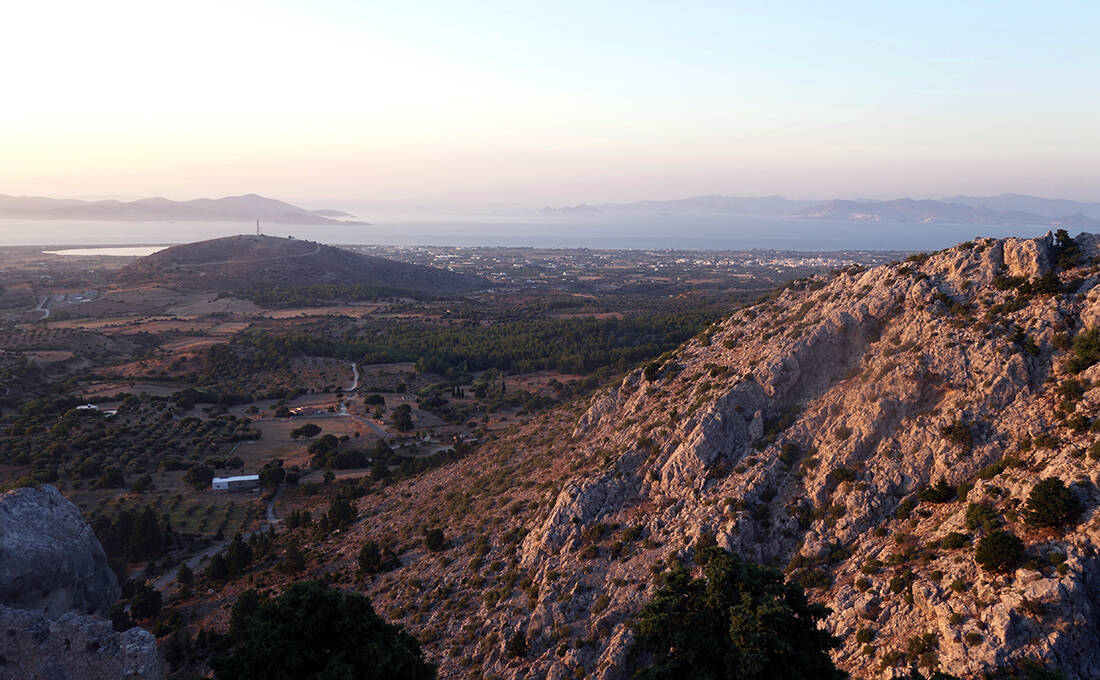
(241, 483)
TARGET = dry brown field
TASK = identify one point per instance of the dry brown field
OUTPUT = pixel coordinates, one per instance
(114, 388)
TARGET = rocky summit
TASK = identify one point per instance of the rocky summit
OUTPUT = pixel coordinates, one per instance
(56, 589)
(916, 444)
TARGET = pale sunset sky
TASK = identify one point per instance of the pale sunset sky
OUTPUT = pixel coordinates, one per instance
(537, 103)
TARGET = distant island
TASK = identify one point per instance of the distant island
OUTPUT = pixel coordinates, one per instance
(1003, 209)
(248, 207)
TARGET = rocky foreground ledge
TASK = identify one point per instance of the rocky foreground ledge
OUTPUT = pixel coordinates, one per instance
(56, 589)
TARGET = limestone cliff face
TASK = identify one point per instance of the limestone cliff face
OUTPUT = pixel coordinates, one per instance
(55, 590)
(799, 432)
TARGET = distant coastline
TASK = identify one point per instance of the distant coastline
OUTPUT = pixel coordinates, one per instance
(1004, 209)
(248, 208)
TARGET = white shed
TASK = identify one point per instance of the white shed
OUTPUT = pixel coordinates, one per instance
(241, 483)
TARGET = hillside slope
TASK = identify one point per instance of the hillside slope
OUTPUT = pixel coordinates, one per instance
(240, 262)
(810, 431)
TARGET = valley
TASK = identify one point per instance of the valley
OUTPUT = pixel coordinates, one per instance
(518, 460)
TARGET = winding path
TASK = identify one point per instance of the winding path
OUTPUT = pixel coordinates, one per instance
(43, 308)
(351, 388)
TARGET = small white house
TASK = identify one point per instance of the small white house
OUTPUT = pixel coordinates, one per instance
(241, 483)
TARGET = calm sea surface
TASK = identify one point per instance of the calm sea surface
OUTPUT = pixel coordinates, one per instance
(589, 230)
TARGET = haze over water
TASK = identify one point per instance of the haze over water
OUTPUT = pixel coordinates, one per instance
(592, 230)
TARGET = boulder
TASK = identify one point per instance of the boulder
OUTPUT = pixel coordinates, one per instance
(55, 590)
(50, 559)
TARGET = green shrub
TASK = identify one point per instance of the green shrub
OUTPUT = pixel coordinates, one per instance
(993, 469)
(516, 648)
(954, 540)
(940, 492)
(999, 551)
(900, 582)
(981, 516)
(434, 539)
(905, 508)
(959, 434)
(1085, 350)
(789, 453)
(842, 474)
(1046, 440)
(1051, 504)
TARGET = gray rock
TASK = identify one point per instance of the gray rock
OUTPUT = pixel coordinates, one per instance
(54, 585)
(50, 560)
(72, 647)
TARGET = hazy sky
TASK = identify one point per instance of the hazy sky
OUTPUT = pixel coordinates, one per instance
(321, 101)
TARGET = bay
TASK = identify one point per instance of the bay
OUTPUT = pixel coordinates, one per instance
(612, 229)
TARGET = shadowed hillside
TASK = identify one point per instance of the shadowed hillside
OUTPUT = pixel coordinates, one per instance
(242, 262)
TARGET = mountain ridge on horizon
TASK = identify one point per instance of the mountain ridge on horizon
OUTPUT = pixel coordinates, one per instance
(1004, 208)
(242, 207)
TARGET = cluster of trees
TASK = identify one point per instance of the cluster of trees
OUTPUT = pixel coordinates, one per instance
(239, 556)
(240, 373)
(739, 621)
(132, 535)
(145, 602)
(383, 467)
(402, 418)
(19, 377)
(309, 430)
(321, 294)
(187, 399)
(373, 558)
(345, 459)
(90, 449)
(736, 620)
(575, 345)
(315, 631)
(1050, 504)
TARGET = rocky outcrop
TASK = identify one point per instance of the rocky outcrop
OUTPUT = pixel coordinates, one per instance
(72, 647)
(50, 559)
(55, 590)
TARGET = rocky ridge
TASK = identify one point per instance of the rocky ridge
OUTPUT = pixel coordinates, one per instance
(842, 430)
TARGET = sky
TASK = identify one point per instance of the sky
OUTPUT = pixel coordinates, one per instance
(326, 102)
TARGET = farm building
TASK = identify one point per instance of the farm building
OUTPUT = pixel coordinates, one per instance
(241, 483)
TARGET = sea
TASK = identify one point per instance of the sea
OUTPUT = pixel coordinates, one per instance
(597, 230)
